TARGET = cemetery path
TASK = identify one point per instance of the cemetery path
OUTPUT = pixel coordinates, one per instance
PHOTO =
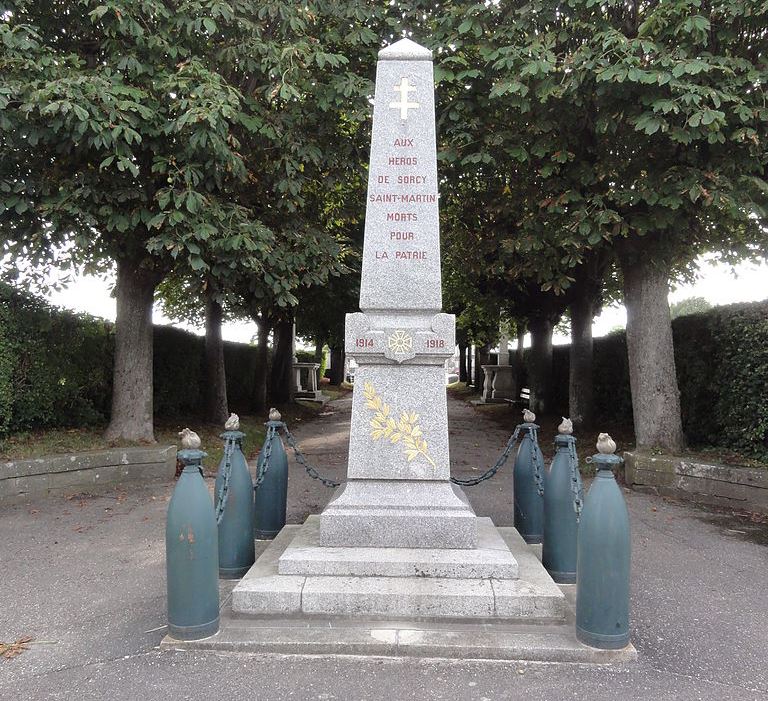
(85, 577)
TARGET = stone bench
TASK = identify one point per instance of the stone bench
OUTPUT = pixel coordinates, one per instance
(22, 480)
(524, 398)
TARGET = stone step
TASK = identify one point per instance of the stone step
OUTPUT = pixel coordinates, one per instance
(533, 596)
(492, 558)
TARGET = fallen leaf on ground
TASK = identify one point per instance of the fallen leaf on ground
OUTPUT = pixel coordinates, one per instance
(10, 650)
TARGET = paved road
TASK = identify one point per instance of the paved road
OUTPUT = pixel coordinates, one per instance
(85, 577)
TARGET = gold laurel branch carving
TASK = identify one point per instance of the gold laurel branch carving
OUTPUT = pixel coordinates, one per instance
(405, 430)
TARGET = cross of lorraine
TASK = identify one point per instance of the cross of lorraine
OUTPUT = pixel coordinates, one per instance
(404, 105)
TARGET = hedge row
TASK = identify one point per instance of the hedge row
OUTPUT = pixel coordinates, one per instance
(722, 371)
(56, 370)
(56, 367)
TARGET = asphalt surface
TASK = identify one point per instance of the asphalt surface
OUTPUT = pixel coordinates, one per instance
(85, 578)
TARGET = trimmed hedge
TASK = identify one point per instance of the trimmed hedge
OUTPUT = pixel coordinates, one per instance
(303, 356)
(722, 370)
(56, 367)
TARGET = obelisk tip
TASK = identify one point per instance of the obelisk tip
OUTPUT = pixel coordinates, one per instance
(405, 50)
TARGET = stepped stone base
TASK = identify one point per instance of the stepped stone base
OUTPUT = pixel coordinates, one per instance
(531, 638)
(264, 591)
(491, 558)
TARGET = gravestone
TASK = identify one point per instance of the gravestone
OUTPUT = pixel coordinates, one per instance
(398, 492)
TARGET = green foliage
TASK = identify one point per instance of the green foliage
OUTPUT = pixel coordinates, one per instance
(567, 128)
(187, 134)
(56, 368)
(689, 305)
(724, 402)
(177, 363)
(304, 356)
(721, 357)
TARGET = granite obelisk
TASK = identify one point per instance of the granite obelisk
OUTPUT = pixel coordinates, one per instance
(398, 540)
(398, 492)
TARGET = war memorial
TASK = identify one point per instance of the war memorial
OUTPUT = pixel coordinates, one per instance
(398, 562)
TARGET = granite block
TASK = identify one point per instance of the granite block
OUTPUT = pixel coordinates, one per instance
(491, 558)
(262, 590)
(398, 514)
(398, 596)
(401, 250)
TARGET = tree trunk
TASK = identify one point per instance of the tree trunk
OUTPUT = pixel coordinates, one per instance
(652, 375)
(216, 409)
(336, 374)
(463, 363)
(482, 356)
(132, 385)
(580, 396)
(470, 364)
(520, 356)
(259, 401)
(540, 366)
(319, 358)
(281, 374)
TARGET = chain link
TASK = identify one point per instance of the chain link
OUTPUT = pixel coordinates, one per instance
(538, 462)
(273, 427)
(263, 465)
(492, 471)
(576, 487)
(311, 471)
(223, 494)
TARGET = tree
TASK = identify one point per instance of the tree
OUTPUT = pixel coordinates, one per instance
(118, 139)
(637, 126)
(153, 135)
(585, 297)
(199, 301)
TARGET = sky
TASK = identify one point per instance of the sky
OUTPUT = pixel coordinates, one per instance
(717, 283)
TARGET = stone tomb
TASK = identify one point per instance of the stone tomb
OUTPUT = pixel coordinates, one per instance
(398, 539)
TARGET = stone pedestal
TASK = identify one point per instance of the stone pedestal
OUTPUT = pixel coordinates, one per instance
(296, 575)
(504, 383)
(305, 375)
(500, 385)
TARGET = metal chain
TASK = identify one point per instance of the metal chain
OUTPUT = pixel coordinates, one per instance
(492, 471)
(223, 495)
(263, 464)
(274, 426)
(538, 463)
(311, 471)
(575, 477)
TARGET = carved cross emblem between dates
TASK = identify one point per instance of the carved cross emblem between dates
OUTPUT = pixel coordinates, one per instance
(404, 105)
